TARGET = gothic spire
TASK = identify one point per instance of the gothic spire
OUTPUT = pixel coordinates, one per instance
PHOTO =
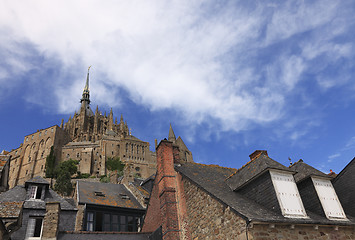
(171, 136)
(86, 92)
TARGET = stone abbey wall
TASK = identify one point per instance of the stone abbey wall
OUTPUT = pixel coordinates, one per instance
(29, 159)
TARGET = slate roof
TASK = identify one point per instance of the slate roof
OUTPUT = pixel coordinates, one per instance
(51, 196)
(113, 195)
(347, 168)
(18, 194)
(84, 235)
(304, 171)
(38, 180)
(252, 170)
(211, 179)
(10, 209)
(138, 185)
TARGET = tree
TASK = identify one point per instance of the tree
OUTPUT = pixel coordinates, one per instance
(63, 173)
(50, 164)
(113, 164)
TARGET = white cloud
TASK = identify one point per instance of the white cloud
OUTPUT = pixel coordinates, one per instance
(199, 58)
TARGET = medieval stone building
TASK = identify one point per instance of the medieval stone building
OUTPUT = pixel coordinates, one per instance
(91, 138)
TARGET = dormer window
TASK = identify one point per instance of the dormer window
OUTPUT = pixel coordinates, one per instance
(329, 199)
(287, 194)
(35, 192)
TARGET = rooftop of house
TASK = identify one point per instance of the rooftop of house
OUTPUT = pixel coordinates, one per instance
(304, 171)
(19, 194)
(347, 169)
(38, 180)
(212, 179)
(10, 209)
(258, 164)
(106, 194)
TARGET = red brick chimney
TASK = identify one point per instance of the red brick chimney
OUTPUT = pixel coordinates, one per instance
(171, 194)
(257, 153)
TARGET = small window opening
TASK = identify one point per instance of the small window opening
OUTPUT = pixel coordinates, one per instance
(39, 193)
(34, 228)
(124, 196)
(100, 194)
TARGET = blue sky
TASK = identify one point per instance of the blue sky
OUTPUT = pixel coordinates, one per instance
(231, 76)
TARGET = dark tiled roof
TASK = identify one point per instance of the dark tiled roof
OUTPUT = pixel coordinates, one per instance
(211, 178)
(10, 209)
(83, 235)
(137, 184)
(113, 195)
(348, 168)
(15, 194)
(304, 171)
(18, 194)
(37, 180)
(253, 169)
(51, 196)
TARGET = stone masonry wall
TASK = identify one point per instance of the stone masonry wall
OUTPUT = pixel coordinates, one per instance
(300, 232)
(210, 219)
(51, 221)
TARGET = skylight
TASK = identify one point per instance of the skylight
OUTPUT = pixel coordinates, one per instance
(100, 194)
(287, 194)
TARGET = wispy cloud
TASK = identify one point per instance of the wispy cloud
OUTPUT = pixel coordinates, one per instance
(226, 64)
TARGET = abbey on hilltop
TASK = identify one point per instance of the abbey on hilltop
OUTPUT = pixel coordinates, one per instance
(91, 138)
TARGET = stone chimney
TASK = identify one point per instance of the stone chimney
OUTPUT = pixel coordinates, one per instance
(257, 153)
(51, 221)
(171, 194)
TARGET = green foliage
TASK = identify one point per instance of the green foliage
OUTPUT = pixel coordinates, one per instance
(83, 175)
(69, 166)
(113, 164)
(50, 164)
(104, 179)
(63, 184)
(63, 173)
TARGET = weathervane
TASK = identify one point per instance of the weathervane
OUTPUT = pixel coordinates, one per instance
(290, 160)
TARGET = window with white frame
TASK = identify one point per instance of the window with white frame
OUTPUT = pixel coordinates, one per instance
(90, 221)
(35, 192)
(329, 199)
(287, 194)
(34, 228)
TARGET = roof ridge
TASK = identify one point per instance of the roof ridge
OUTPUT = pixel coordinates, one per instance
(213, 165)
(238, 169)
